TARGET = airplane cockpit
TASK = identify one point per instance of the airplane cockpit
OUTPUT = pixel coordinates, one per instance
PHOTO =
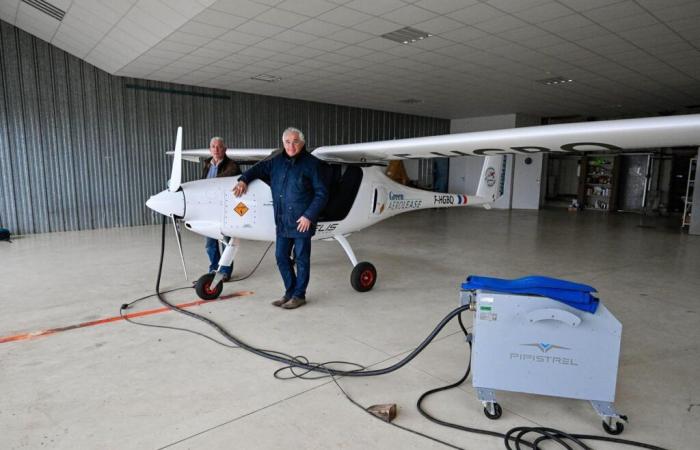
(343, 182)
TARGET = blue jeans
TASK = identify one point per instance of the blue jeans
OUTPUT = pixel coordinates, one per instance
(214, 253)
(294, 283)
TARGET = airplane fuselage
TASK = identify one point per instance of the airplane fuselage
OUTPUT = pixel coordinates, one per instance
(209, 207)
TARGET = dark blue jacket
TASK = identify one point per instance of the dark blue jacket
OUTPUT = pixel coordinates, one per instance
(298, 189)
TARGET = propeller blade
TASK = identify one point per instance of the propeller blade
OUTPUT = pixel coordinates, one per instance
(179, 245)
(176, 174)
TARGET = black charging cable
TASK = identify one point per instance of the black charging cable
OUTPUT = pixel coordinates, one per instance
(515, 436)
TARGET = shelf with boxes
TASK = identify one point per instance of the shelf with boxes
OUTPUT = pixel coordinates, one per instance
(598, 182)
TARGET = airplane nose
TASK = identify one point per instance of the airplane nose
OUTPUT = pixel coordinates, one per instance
(168, 203)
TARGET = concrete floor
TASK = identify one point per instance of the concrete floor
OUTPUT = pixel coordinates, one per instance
(119, 385)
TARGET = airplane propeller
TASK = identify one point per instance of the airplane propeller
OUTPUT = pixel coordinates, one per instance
(176, 173)
(178, 238)
(174, 186)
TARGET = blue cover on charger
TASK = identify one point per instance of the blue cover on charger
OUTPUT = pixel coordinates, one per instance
(573, 294)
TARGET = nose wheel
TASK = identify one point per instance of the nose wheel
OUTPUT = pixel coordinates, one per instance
(204, 288)
(363, 277)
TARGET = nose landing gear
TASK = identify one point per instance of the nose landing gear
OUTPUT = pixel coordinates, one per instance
(205, 288)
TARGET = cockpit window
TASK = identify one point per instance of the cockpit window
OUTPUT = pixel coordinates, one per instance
(343, 184)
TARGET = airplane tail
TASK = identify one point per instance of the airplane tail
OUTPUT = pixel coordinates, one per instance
(492, 179)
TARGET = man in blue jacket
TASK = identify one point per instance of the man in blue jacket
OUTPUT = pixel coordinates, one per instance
(299, 194)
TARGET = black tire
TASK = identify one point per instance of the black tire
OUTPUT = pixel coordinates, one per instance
(363, 277)
(204, 290)
(497, 412)
(619, 427)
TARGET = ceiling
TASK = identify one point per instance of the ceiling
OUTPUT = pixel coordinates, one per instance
(624, 57)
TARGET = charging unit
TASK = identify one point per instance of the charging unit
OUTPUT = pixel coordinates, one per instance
(538, 345)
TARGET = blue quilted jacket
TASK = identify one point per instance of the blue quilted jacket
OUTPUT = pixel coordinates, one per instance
(298, 189)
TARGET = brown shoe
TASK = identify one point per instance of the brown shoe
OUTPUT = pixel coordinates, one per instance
(281, 301)
(295, 302)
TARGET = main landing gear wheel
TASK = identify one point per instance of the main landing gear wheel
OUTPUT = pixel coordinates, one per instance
(363, 277)
(497, 412)
(204, 289)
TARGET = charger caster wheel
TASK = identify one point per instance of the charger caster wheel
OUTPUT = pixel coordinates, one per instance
(617, 429)
(205, 291)
(497, 412)
(363, 277)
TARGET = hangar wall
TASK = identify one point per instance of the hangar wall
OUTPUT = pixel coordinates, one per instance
(83, 149)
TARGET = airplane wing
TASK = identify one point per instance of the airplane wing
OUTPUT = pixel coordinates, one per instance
(615, 135)
(236, 154)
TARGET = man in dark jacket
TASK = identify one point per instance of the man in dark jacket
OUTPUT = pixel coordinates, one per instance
(299, 193)
(218, 166)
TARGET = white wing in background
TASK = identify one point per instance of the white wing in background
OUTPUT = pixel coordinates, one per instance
(236, 154)
(626, 134)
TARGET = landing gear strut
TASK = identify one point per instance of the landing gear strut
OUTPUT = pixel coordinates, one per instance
(363, 275)
(210, 285)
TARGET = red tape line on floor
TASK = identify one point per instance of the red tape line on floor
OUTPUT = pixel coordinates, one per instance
(148, 312)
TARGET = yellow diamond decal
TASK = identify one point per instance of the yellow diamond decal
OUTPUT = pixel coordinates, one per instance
(241, 209)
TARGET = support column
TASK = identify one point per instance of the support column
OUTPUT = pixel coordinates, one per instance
(694, 227)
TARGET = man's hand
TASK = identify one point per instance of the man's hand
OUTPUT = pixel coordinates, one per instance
(240, 188)
(303, 224)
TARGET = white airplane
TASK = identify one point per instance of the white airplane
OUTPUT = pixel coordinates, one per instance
(362, 195)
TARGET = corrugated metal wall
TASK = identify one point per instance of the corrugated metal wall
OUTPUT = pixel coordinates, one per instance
(82, 149)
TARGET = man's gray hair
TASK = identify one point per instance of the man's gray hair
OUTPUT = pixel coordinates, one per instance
(291, 130)
(217, 138)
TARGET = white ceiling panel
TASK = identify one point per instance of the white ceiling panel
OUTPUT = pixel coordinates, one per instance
(500, 24)
(201, 29)
(377, 26)
(219, 19)
(242, 8)
(309, 8)
(479, 12)
(354, 51)
(344, 16)
(444, 6)
(298, 53)
(350, 36)
(240, 38)
(409, 15)
(281, 18)
(438, 25)
(520, 5)
(544, 12)
(325, 44)
(261, 29)
(376, 7)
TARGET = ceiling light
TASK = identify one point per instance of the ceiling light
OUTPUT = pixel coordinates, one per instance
(265, 77)
(554, 80)
(406, 35)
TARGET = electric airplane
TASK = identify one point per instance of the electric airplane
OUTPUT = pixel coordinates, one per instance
(360, 194)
